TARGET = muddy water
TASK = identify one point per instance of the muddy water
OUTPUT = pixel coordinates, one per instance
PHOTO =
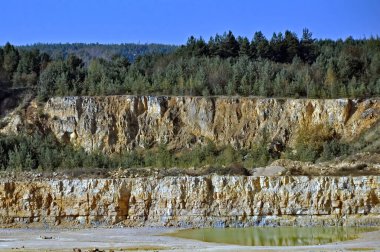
(274, 236)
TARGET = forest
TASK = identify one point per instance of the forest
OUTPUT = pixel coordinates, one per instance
(282, 66)
(87, 52)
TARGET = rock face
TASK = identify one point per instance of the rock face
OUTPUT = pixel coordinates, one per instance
(114, 123)
(193, 201)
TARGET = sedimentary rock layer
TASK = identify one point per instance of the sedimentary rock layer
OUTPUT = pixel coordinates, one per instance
(193, 201)
(115, 123)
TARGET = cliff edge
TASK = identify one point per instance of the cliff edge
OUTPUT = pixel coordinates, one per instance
(116, 123)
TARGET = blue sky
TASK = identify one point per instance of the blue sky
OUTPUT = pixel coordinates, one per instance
(172, 22)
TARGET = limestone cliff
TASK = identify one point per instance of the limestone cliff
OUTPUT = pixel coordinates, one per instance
(193, 201)
(114, 123)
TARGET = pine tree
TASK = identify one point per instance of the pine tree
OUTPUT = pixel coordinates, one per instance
(307, 47)
(10, 61)
(245, 48)
(261, 45)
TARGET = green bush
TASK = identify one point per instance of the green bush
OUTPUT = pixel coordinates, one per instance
(20, 159)
(132, 159)
(334, 148)
(43, 152)
(316, 142)
(258, 156)
(228, 155)
(29, 152)
(307, 153)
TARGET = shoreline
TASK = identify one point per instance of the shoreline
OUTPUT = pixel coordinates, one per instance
(149, 239)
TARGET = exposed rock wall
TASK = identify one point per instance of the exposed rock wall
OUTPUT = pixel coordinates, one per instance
(114, 123)
(193, 201)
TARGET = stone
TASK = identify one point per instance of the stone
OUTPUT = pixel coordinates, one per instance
(116, 123)
(197, 201)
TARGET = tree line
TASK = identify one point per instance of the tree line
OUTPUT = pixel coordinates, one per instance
(282, 66)
(87, 52)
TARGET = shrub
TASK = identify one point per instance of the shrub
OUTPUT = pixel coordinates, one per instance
(316, 142)
(334, 148)
(307, 153)
(314, 136)
(258, 156)
(132, 159)
(28, 152)
(163, 157)
(227, 156)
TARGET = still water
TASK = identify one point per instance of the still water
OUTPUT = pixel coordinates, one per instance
(274, 236)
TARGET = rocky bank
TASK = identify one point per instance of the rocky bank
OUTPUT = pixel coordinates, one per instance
(116, 123)
(192, 201)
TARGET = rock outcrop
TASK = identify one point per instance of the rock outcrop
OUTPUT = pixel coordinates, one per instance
(115, 123)
(193, 201)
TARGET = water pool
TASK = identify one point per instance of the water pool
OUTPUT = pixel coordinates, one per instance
(274, 236)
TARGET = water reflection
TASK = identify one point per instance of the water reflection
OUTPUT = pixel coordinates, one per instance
(274, 236)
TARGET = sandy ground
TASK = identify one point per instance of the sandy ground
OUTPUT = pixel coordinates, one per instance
(147, 239)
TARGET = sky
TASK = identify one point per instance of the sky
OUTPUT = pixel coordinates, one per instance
(173, 21)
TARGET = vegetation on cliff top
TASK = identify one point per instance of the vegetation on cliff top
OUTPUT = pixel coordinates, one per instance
(88, 52)
(283, 66)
